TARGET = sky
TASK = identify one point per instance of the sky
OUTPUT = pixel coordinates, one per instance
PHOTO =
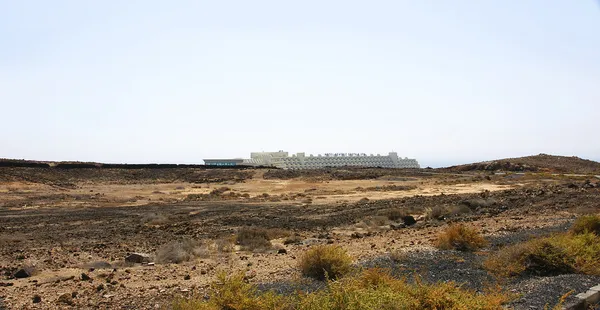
(445, 82)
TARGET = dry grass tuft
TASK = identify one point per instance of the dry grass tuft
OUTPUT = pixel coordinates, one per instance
(180, 251)
(325, 262)
(460, 237)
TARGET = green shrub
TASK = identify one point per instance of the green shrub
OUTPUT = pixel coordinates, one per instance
(559, 254)
(325, 262)
(460, 237)
(587, 223)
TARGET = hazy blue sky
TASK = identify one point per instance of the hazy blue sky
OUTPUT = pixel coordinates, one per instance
(176, 81)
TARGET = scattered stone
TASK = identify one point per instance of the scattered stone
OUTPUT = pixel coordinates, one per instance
(282, 251)
(187, 277)
(6, 284)
(66, 299)
(100, 287)
(108, 296)
(85, 277)
(409, 220)
(397, 226)
(37, 299)
(74, 294)
(203, 271)
(138, 258)
(356, 235)
(23, 273)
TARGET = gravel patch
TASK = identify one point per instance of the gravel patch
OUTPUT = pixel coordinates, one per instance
(540, 291)
(508, 238)
(438, 266)
(466, 269)
(306, 285)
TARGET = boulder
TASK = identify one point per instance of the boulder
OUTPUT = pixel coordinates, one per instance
(138, 258)
(23, 273)
(66, 298)
(409, 220)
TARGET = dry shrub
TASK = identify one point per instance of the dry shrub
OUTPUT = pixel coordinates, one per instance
(587, 223)
(435, 213)
(223, 245)
(180, 251)
(252, 239)
(559, 254)
(376, 221)
(155, 219)
(371, 289)
(398, 256)
(460, 237)
(457, 210)
(363, 200)
(478, 203)
(219, 191)
(295, 239)
(325, 262)
(233, 292)
(393, 214)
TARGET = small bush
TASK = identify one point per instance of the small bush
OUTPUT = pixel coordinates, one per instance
(559, 254)
(325, 262)
(376, 221)
(587, 223)
(398, 256)
(460, 237)
(155, 219)
(295, 239)
(393, 214)
(251, 239)
(233, 293)
(180, 251)
(435, 213)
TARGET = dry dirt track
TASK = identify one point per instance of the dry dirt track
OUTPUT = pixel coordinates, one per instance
(63, 242)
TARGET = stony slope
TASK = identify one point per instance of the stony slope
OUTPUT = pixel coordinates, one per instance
(540, 163)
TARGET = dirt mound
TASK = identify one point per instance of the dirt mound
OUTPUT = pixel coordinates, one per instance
(540, 163)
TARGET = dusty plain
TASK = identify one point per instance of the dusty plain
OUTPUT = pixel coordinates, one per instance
(73, 229)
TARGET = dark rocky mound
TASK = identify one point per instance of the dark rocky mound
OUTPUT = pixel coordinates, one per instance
(538, 163)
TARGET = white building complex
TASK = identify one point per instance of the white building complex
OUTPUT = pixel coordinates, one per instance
(283, 160)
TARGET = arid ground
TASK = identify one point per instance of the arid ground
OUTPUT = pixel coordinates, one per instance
(67, 235)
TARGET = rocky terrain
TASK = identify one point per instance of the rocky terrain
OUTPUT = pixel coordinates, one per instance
(540, 163)
(137, 238)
